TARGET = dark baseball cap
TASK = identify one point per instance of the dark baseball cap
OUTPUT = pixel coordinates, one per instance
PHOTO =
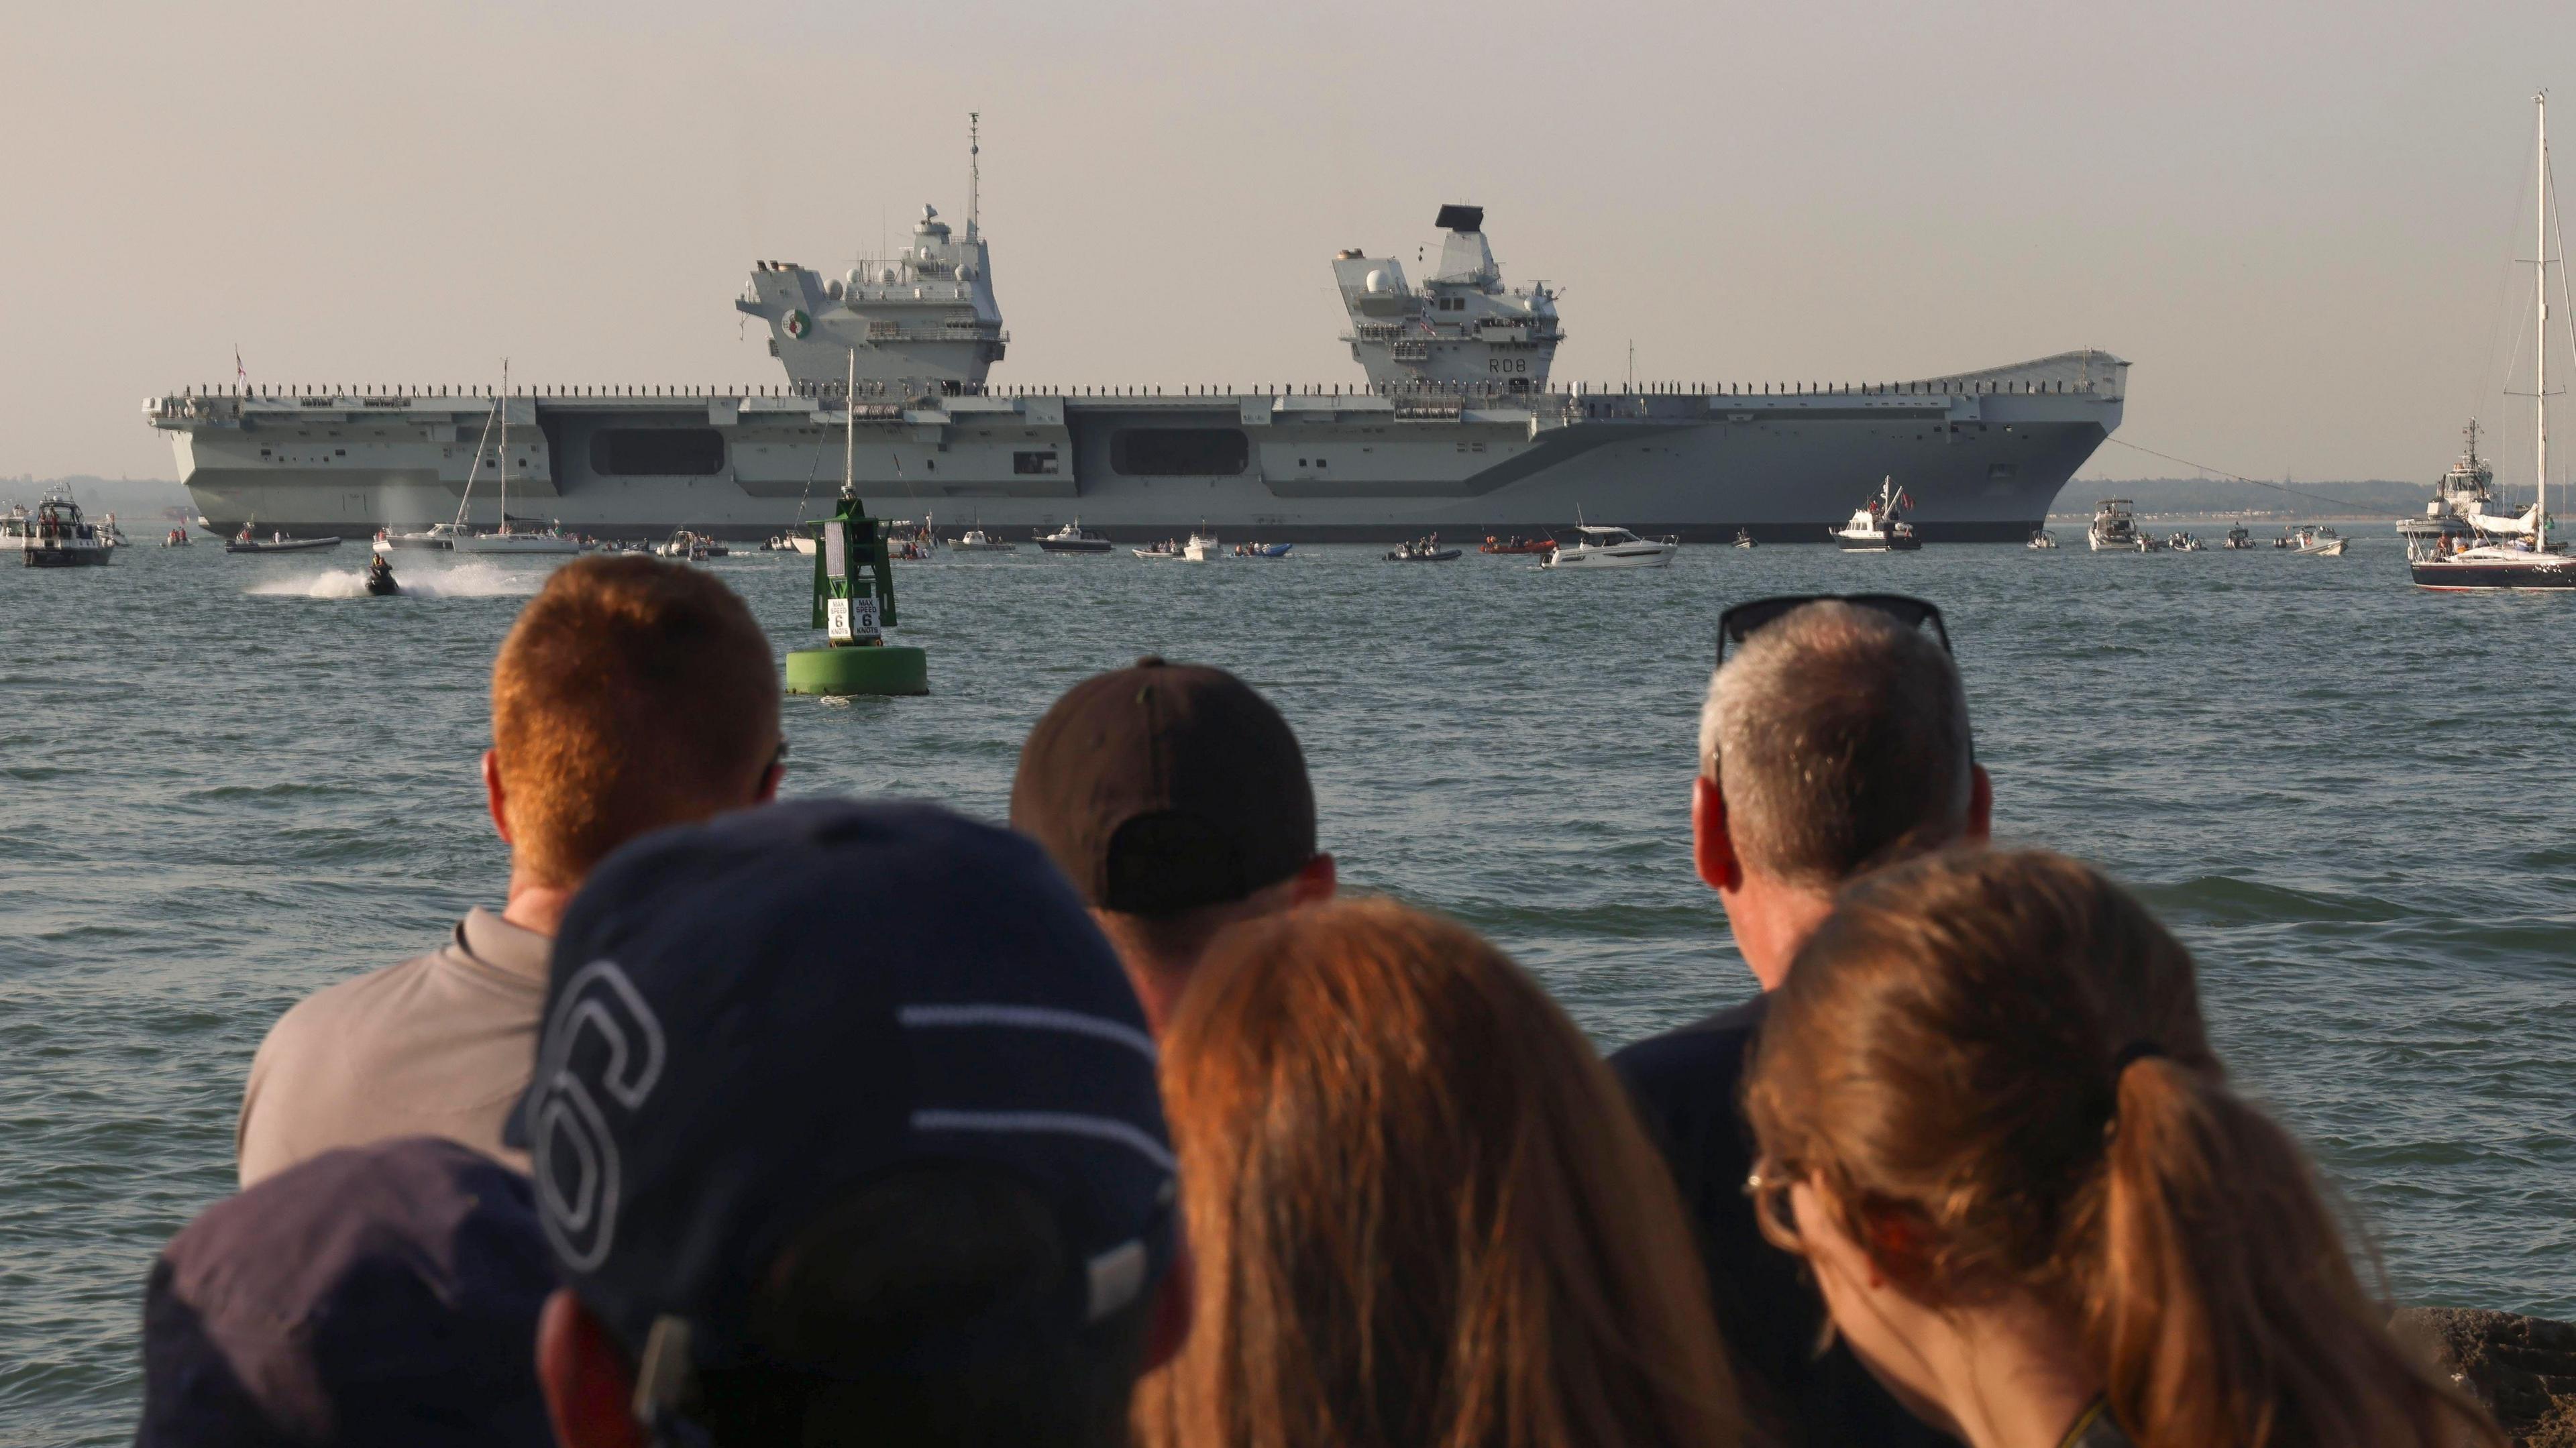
(1164, 787)
(384, 1294)
(748, 1020)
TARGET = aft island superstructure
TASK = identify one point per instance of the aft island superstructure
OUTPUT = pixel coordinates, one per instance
(1455, 427)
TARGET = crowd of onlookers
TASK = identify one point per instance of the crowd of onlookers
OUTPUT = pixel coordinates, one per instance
(830, 1122)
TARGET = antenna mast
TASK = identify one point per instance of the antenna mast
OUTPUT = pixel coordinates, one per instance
(974, 171)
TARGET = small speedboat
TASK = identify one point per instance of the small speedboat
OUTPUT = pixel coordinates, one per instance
(380, 578)
(976, 541)
(1423, 550)
(178, 538)
(2318, 542)
(1600, 546)
(1163, 552)
(2239, 538)
(1202, 548)
(800, 543)
(1262, 550)
(276, 542)
(2042, 538)
(2183, 543)
(1744, 538)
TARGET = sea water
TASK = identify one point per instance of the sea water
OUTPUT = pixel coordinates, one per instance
(227, 781)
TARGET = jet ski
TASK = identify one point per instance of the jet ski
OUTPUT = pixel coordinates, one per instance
(380, 578)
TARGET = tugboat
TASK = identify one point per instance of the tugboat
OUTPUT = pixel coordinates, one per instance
(1425, 549)
(1071, 539)
(2041, 538)
(55, 535)
(1879, 526)
(380, 577)
(1744, 538)
(1544, 543)
(2114, 528)
(1601, 547)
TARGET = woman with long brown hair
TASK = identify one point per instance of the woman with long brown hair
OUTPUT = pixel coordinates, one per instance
(1422, 1213)
(1991, 1120)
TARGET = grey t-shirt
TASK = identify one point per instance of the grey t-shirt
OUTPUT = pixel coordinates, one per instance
(440, 1045)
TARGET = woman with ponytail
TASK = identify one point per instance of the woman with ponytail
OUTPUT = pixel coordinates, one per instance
(1990, 1119)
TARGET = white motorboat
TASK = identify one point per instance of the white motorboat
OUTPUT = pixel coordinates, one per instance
(800, 543)
(976, 541)
(55, 535)
(1071, 539)
(1166, 551)
(694, 547)
(2317, 542)
(1202, 548)
(2114, 528)
(109, 533)
(2183, 543)
(1602, 547)
(1744, 538)
(437, 537)
(1878, 525)
(2041, 538)
(1425, 549)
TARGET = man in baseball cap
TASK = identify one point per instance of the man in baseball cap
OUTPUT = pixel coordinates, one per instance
(844, 1128)
(383, 1295)
(1176, 800)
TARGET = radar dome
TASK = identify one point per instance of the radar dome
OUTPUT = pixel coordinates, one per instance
(1378, 284)
(966, 273)
(832, 289)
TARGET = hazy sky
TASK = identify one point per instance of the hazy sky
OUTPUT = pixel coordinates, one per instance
(2296, 220)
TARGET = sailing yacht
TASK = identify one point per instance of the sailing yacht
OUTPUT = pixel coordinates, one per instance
(504, 539)
(2521, 559)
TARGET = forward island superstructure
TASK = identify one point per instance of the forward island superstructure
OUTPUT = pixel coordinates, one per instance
(1456, 427)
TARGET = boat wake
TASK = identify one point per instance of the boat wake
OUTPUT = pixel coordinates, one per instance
(465, 580)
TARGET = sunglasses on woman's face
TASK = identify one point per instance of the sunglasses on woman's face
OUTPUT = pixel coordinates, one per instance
(1747, 619)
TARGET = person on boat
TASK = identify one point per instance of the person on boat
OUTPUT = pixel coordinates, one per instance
(631, 694)
(1992, 1125)
(1833, 741)
(1176, 799)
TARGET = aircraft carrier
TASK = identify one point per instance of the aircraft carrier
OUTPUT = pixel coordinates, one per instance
(1452, 426)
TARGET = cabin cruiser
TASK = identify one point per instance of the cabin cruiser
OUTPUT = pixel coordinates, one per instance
(790, 542)
(1202, 548)
(2114, 528)
(55, 535)
(1600, 547)
(2041, 538)
(1425, 549)
(1744, 538)
(1071, 539)
(2239, 538)
(976, 541)
(1879, 526)
(439, 537)
(2316, 542)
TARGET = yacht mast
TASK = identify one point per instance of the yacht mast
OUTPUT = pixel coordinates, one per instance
(2540, 352)
(504, 405)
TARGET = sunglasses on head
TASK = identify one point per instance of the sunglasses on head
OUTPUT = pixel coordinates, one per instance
(1747, 619)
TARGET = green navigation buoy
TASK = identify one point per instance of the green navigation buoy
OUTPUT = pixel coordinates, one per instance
(853, 604)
